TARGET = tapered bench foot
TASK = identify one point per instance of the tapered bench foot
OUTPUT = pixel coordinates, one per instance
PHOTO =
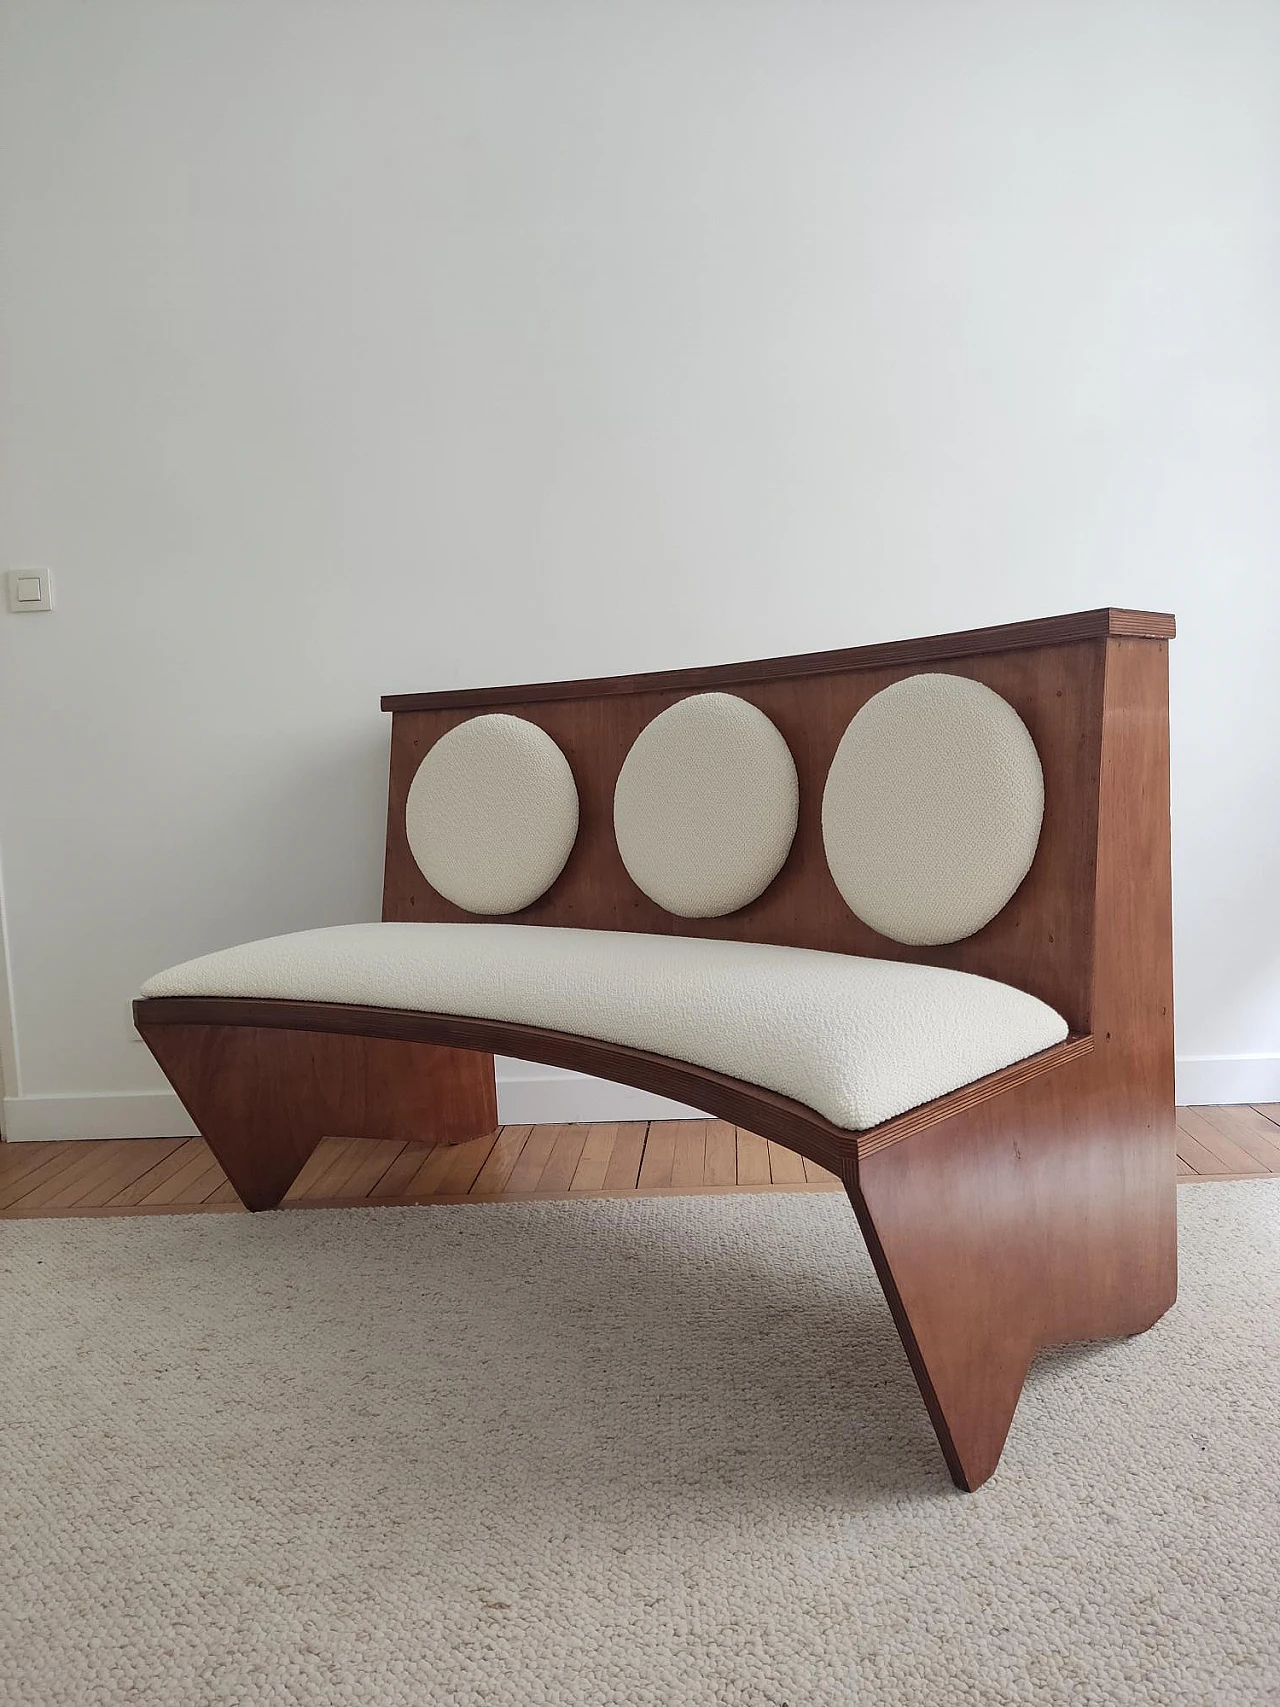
(264, 1098)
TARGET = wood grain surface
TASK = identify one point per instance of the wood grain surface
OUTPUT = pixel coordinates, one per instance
(264, 1098)
(1006, 637)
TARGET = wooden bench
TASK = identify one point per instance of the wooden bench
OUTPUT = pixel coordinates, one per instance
(814, 867)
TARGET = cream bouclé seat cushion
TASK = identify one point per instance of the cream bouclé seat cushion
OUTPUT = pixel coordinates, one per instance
(857, 1040)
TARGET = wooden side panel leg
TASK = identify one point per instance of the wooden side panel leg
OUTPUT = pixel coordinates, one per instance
(1043, 1218)
(264, 1098)
(1047, 1215)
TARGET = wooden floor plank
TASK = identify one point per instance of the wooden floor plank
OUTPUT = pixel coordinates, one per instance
(1185, 1164)
(623, 1171)
(753, 1158)
(202, 1185)
(321, 1159)
(32, 1189)
(360, 1169)
(425, 1182)
(197, 1176)
(495, 1173)
(527, 1171)
(785, 1166)
(816, 1174)
(19, 1155)
(156, 1175)
(1232, 1158)
(223, 1192)
(1252, 1131)
(463, 1162)
(593, 1163)
(659, 1154)
(721, 1156)
(379, 1155)
(18, 1160)
(689, 1155)
(562, 1163)
(332, 1162)
(120, 1161)
(103, 1211)
(439, 1200)
(401, 1171)
(1193, 1153)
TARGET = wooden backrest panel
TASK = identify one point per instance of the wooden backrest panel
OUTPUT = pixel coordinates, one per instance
(1042, 941)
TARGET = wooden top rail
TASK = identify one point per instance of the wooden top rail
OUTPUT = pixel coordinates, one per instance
(1006, 637)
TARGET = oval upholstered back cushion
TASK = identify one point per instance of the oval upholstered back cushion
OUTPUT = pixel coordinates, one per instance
(932, 808)
(705, 806)
(492, 814)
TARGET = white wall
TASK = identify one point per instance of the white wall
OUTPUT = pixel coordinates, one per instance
(351, 348)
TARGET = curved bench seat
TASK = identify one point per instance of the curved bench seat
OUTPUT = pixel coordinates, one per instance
(857, 1040)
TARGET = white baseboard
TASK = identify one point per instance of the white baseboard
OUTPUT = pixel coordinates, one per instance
(1228, 1078)
(524, 1099)
(127, 1114)
(538, 1098)
(537, 1095)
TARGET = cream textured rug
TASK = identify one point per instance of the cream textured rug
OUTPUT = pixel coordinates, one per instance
(603, 1453)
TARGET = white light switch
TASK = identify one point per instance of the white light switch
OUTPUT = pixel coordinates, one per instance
(30, 590)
